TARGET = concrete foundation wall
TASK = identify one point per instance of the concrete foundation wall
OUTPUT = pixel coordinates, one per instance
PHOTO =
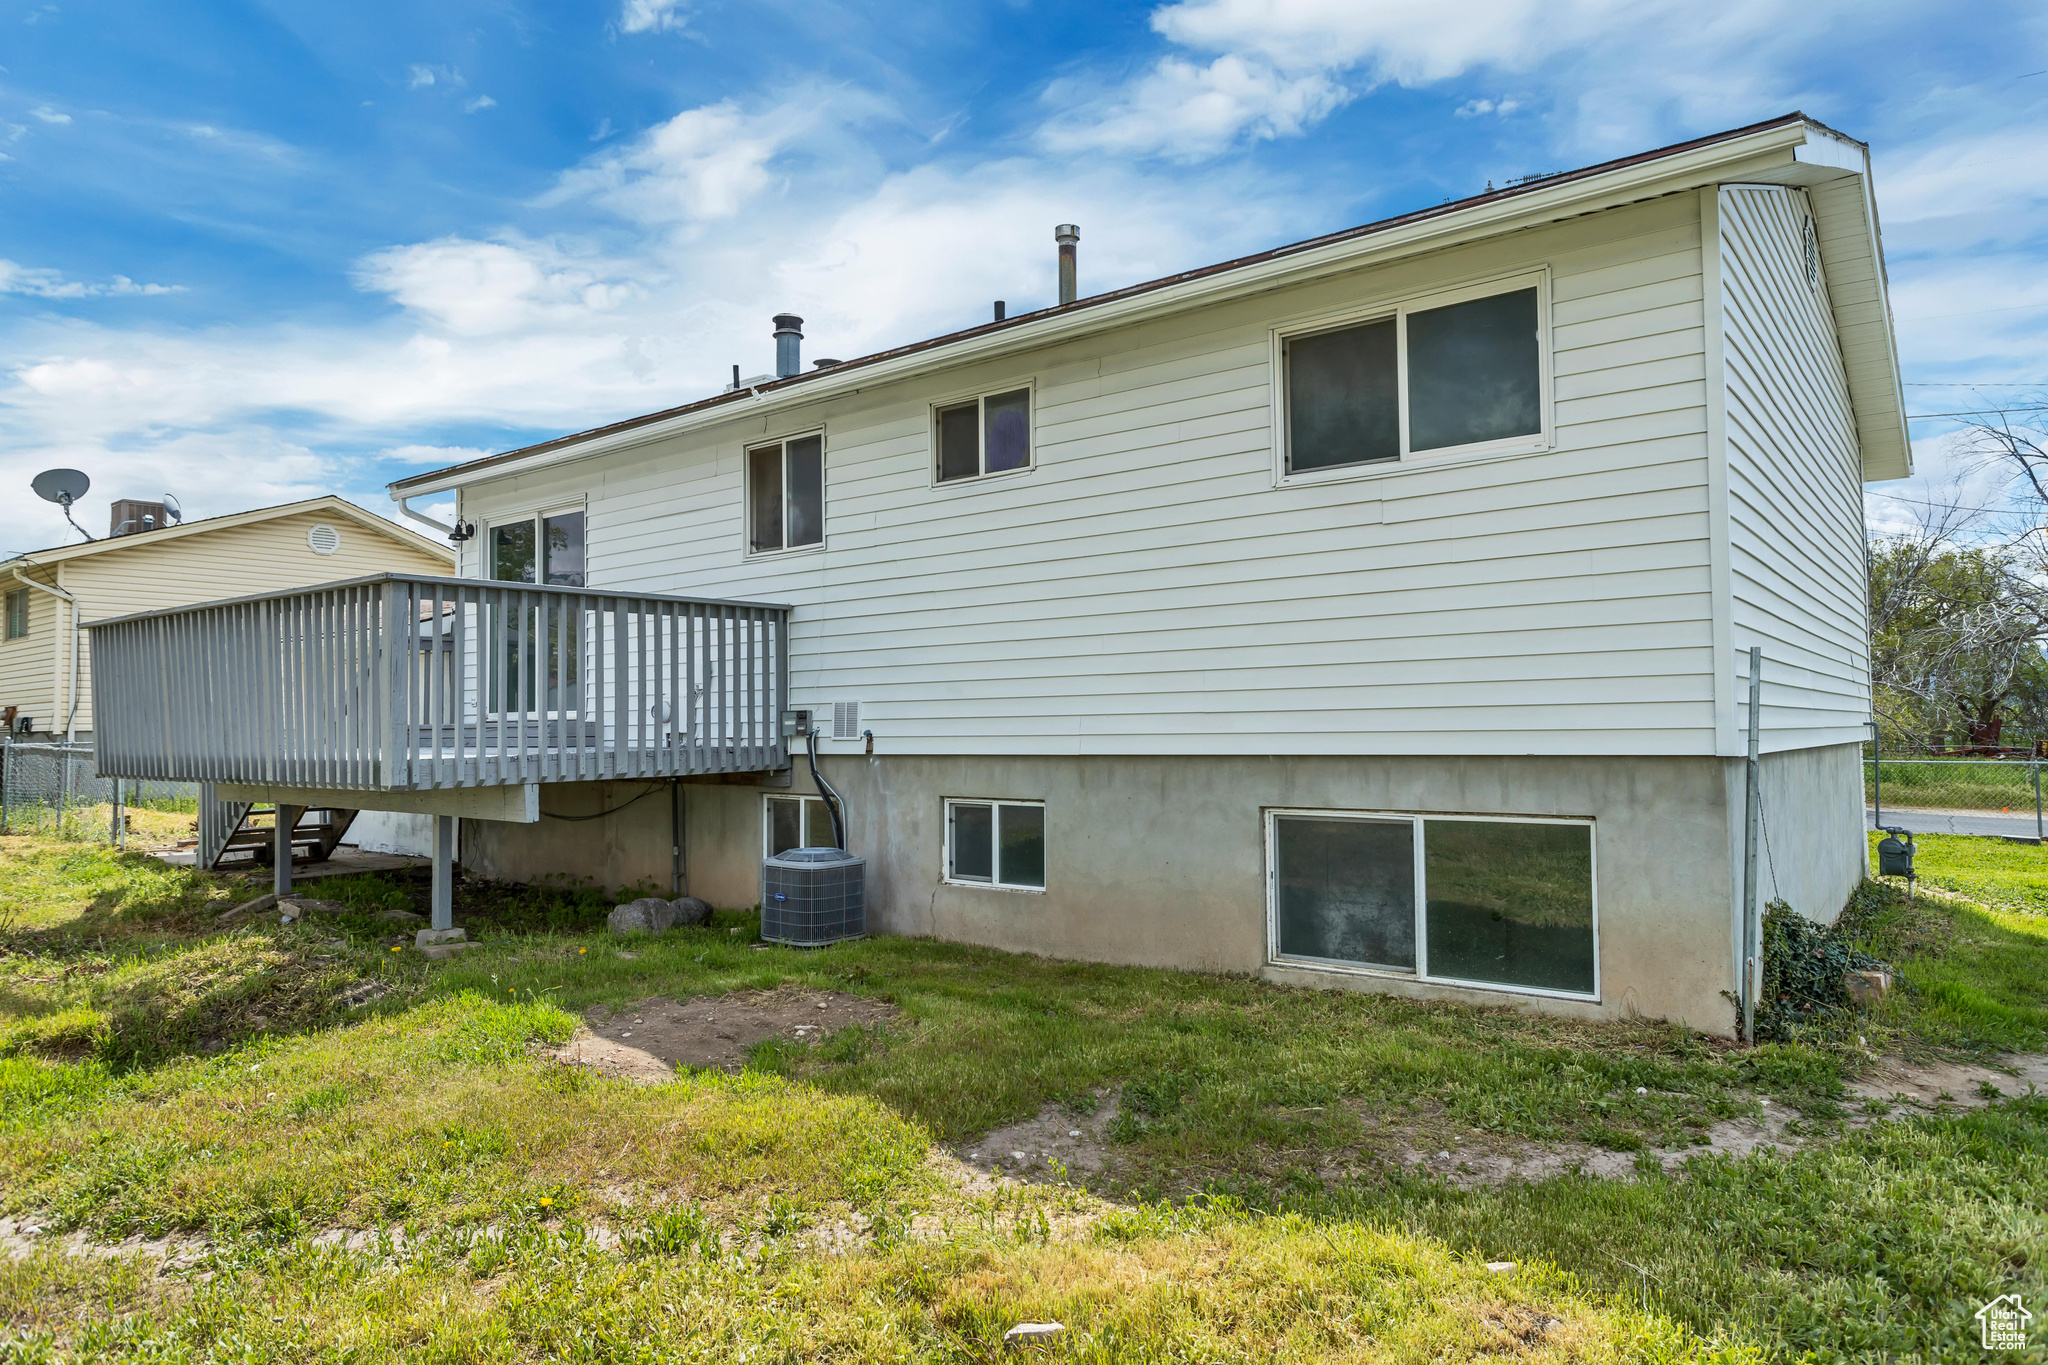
(1162, 861)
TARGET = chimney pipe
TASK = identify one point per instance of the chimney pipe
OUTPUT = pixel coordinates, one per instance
(1067, 235)
(789, 342)
(999, 310)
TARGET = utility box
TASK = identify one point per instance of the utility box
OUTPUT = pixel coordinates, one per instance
(813, 896)
(1895, 855)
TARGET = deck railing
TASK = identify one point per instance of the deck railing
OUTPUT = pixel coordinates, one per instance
(401, 682)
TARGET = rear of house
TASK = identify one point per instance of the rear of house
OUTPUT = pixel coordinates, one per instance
(1371, 613)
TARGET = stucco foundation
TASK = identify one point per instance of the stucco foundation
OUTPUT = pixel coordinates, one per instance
(1160, 861)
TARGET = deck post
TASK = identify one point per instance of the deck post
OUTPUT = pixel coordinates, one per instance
(444, 872)
(281, 851)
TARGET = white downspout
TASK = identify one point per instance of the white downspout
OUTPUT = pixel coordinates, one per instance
(71, 720)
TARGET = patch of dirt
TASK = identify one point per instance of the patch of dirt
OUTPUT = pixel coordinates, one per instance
(1037, 1149)
(1934, 1085)
(1480, 1159)
(648, 1041)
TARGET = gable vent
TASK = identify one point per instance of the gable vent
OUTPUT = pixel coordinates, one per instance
(323, 539)
(846, 720)
(1811, 241)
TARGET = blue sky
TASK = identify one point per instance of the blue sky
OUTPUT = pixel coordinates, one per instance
(251, 252)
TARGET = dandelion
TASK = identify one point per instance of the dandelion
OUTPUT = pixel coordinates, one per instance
(396, 947)
(546, 1202)
(582, 950)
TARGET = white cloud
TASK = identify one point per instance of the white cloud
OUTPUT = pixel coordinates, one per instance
(478, 288)
(1622, 72)
(419, 76)
(651, 16)
(1475, 108)
(479, 103)
(703, 164)
(49, 115)
(435, 455)
(1185, 110)
(52, 284)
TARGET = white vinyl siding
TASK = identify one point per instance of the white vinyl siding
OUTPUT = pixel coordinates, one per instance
(1148, 589)
(1795, 504)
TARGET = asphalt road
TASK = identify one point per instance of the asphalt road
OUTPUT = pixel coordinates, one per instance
(1923, 821)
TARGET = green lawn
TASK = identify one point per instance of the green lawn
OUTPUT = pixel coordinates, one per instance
(1954, 784)
(163, 1075)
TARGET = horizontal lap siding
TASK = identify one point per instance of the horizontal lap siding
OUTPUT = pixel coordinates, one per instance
(1146, 588)
(1795, 503)
(31, 668)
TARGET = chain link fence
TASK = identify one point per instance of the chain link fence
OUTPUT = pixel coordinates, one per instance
(54, 790)
(1999, 796)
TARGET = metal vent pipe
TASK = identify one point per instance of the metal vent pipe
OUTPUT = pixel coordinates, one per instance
(789, 345)
(1068, 236)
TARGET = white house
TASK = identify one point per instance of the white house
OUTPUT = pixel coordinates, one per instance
(1373, 612)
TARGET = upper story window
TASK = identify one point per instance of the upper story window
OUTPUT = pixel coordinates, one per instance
(786, 495)
(17, 613)
(987, 435)
(540, 549)
(1457, 372)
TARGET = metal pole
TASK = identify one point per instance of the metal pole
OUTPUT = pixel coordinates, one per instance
(116, 835)
(281, 850)
(675, 836)
(6, 777)
(1753, 804)
(1876, 778)
(2037, 796)
(444, 873)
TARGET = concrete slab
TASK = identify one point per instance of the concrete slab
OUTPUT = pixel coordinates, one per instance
(348, 861)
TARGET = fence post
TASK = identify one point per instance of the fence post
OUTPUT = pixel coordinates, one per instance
(2037, 795)
(6, 777)
(1876, 777)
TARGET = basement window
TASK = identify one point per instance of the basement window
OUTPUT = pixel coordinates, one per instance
(1458, 372)
(988, 435)
(996, 843)
(1503, 903)
(794, 822)
(17, 613)
(786, 495)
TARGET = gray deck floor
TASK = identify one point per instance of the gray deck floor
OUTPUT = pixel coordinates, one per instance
(348, 860)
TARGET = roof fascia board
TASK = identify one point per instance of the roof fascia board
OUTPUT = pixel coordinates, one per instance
(325, 503)
(1750, 156)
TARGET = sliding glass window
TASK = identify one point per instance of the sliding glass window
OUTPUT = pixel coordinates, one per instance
(1493, 902)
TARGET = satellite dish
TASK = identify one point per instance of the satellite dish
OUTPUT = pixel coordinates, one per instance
(172, 511)
(61, 486)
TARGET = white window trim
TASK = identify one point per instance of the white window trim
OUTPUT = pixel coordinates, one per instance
(768, 816)
(1421, 972)
(747, 495)
(996, 803)
(1398, 309)
(980, 397)
(489, 528)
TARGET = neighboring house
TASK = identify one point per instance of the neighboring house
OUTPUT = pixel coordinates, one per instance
(1373, 612)
(49, 593)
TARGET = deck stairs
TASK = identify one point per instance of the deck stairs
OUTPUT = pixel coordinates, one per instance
(237, 834)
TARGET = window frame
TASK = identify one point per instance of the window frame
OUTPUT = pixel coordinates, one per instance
(747, 448)
(22, 597)
(537, 518)
(995, 834)
(1421, 974)
(768, 818)
(980, 396)
(1398, 310)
